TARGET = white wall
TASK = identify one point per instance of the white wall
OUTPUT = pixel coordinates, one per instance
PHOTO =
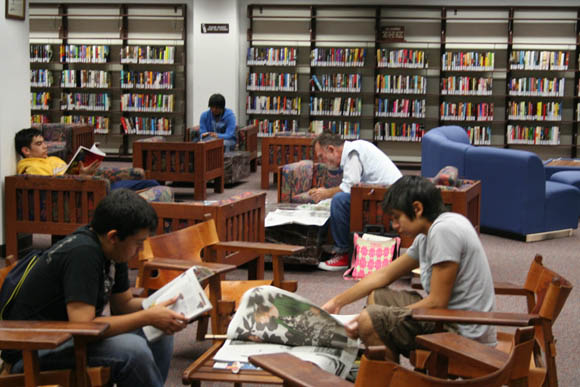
(15, 96)
(215, 56)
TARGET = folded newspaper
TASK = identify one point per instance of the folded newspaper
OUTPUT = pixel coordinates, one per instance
(272, 320)
(305, 214)
(192, 299)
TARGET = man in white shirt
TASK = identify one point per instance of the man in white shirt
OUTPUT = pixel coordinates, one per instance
(361, 162)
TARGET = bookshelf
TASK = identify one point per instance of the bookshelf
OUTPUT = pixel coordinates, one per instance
(117, 67)
(427, 66)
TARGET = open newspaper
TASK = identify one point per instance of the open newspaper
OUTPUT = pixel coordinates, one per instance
(192, 299)
(304, 214)
(271, 320)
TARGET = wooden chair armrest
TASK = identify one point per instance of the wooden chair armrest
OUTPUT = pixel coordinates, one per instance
(29, 341)
(94, 329)
(471, 317)
(469, 352)
(260, 247)
(181, 264)
(508, 288)
(296, 372)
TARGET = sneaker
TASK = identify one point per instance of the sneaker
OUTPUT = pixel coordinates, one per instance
(336, 263)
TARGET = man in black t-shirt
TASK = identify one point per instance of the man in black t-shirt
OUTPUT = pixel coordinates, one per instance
(76, 278)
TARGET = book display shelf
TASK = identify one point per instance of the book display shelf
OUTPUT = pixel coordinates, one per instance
(118, 67)
(508, 75)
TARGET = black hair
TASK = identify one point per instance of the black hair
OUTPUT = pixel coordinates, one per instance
(217, 100)
(327, 138)
(24, 138)
(125, 211)
(409, 189)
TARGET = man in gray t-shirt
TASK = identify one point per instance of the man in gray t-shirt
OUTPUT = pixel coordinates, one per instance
(454, 272)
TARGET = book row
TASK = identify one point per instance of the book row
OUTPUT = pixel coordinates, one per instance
(148, 54)
(100, 123)
(533, 135)
(466, 85)
(40, 101)
(147, 79)
(403, 58)
(39, 119)
(479, 135)
(337, 83)
(532, 86)
(534, 111)
(85, 78)
(401, 84)
(466, 111)
(159, 103)
(399, 131)
(273, 105)
(41, 78)
(85, 101)
(271, 127)
(473, 60)
(271, 56)
(348, 130)
(40, 53)
(147, 125)
(83, 53)
(400, 107)
(539, 60)
(272, 82)
(338, 106)
(331, 56)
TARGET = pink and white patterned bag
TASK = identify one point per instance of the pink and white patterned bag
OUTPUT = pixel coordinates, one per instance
(370, 254)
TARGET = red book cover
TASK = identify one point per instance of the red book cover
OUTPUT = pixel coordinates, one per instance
(87, 156)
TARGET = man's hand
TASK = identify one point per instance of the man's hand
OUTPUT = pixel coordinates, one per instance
(89, 170)
(167, 320)
(318, 194)
(332, 307)
(352, 327)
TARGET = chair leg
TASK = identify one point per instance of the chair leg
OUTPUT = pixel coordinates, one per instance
(202, 325)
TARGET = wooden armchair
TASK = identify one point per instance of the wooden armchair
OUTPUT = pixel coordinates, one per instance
(374, 372)
(545, 292)
(32, 336)
(63, 140)
(200, 243)
(49, 205)
(281, 150)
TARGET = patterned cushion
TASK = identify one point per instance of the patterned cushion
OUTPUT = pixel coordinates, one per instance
(295, 178)
(116, 174)
(159, 193)
(236, 166)
(324, 177)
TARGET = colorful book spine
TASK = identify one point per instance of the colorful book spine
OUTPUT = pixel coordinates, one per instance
(81, 53)
(273, 105)
(533, 135)
(466, 85)
(337, 57)
(148, 54)
(161, 126)
(399, 131)
(271, 56)
(272, 82)
(400, 107)
(401, 84)
(268, 128)
(337, 106)
(479, 135)
(403, 58)
(468, 61)
(539, 60)
(41, 78)
(466, 111)
(346, 129)
(85, 101)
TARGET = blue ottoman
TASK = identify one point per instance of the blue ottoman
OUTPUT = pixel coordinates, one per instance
(567, 177)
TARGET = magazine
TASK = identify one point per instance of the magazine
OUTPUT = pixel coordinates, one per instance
(271, 320)
(87, 156)
(192, 299)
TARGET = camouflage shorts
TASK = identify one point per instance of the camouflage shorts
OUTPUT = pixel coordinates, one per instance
(393, 322)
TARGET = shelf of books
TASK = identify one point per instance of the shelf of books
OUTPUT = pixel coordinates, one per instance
(508, 75)
(85, 69)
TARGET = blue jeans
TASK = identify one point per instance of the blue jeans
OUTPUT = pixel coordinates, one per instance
(229, 145)
(340, 222)
(133, 360)
(134, 185)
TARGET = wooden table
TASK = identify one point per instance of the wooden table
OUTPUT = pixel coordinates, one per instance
(202, 370)
(282, 150)
(563, 163)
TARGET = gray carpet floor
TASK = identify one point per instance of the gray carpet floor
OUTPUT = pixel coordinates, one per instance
(509, 261)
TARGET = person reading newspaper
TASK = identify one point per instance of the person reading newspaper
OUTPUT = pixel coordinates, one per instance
(454, 272)
(271, 320)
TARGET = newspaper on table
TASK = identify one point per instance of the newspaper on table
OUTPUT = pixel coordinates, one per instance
(272, 320)
(304, 214)
(192, 299)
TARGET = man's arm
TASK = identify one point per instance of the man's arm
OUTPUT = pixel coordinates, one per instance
(379, 279)
(318, 194)
(442, 280)
(230, 133)
(203, 128)
(160, 316)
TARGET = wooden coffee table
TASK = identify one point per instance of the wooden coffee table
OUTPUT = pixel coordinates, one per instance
(202, 371)
(564, 163)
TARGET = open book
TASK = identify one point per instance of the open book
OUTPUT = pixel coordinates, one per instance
(87, 156)
(271, 320)
(192, 299)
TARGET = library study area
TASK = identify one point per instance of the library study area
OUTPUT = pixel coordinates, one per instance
(293, 193)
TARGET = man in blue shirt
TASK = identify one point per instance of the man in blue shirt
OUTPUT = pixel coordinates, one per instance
(219, 122)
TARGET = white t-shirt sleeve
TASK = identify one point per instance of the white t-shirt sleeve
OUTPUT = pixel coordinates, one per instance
(352, 172)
